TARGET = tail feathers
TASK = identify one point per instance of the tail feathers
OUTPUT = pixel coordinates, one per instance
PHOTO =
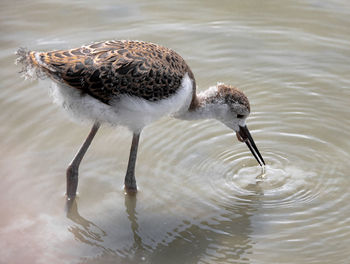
(31, 69)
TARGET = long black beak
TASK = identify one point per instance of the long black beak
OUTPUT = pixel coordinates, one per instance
(243, 135)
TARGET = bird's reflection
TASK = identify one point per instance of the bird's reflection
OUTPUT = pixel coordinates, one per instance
(235, 220)
(89, 233)
(85, 231)
(138, 248)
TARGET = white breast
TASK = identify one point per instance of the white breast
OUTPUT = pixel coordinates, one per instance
(129, 111)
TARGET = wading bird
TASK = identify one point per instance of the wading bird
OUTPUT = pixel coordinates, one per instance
(131, 84)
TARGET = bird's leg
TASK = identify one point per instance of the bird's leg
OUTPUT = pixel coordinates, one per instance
(130, 181)
(72, 170)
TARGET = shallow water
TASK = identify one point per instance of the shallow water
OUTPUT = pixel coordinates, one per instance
(202, 198)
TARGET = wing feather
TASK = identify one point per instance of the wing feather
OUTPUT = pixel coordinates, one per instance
(107, 70)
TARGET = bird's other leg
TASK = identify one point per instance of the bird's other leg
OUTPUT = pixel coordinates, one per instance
(130, 181)
(72, 170)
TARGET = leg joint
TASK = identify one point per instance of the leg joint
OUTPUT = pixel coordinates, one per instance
(72, 171)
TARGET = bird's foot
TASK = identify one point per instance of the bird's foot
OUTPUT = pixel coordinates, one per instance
(72, 182)
(130, 189)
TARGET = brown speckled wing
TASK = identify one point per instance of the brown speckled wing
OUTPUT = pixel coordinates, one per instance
(106, 70)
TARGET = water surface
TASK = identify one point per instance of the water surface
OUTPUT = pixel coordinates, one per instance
(202, 198)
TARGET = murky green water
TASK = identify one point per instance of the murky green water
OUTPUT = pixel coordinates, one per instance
(203, 198)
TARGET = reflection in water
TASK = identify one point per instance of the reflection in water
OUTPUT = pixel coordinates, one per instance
(221, 238)
(90, 234)
(209, 239)
(84, 230)
(137, 250)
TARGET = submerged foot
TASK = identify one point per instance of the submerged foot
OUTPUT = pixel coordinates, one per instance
(72, 182)
(130, 189)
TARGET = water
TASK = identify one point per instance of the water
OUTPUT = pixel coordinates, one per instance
(203, 198)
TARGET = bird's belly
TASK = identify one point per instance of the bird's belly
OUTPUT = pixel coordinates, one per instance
(129, 111)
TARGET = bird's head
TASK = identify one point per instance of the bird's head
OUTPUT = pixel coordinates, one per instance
(234, 109)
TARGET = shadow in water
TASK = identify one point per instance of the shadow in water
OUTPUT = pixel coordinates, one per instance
(84, 230)
(138, 249)
(223, 237)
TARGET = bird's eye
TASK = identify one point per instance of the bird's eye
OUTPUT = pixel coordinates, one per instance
(240, 116)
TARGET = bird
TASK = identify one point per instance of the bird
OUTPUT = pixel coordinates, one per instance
(132, 83)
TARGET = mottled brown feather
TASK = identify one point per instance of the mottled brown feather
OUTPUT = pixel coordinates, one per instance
(106, 70)
(232, 95)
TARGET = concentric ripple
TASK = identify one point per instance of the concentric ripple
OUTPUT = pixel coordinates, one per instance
(227, 172)
(288, 178)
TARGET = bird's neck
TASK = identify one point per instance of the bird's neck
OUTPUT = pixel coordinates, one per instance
(205, 105)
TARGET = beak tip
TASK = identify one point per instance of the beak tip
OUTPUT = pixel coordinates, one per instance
(244, 135)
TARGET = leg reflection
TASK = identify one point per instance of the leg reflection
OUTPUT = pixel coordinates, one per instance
(84, 230)
(138, 247)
